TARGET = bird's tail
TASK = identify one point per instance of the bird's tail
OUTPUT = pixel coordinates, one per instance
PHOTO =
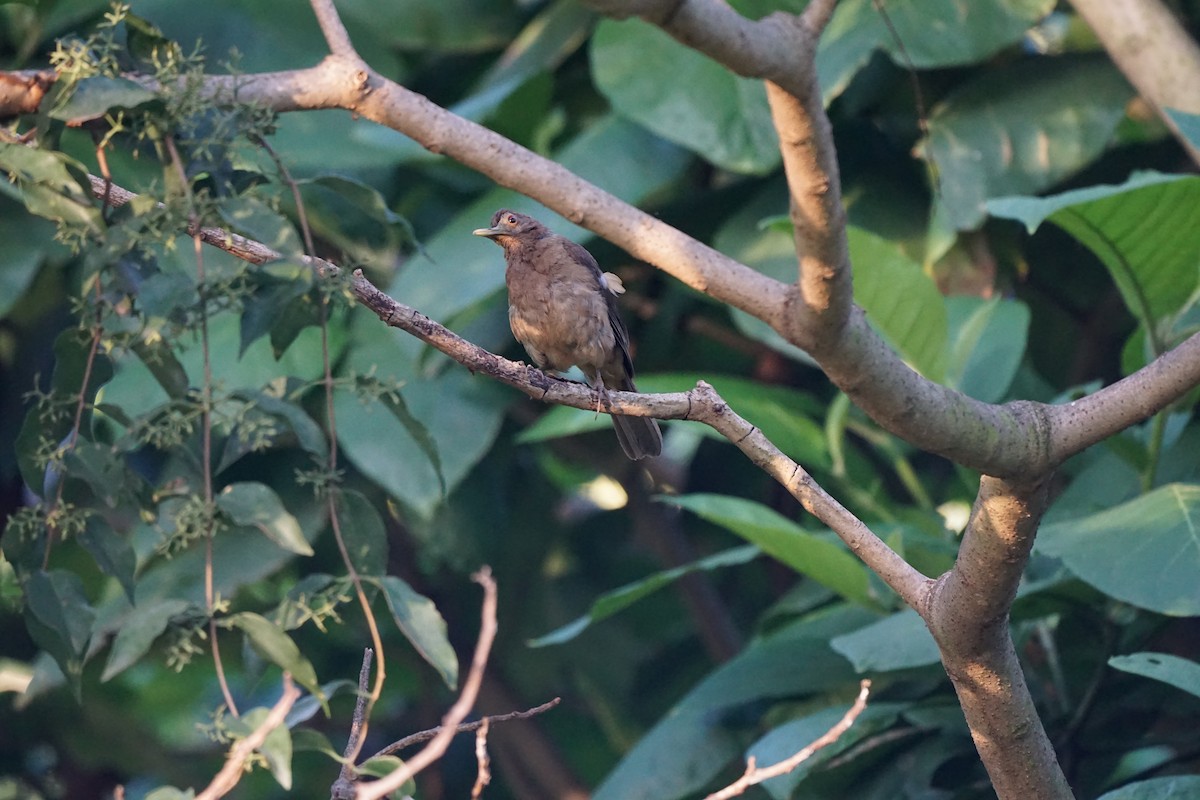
(639, 436)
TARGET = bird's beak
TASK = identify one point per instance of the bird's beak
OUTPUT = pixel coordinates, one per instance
(491, 233)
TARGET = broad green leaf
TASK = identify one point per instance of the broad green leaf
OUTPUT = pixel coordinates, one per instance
(461, 414)
(59, 618)
(786, 416)
(716, 114)
(53, 185)
(27, 241)
(1145, 231)
(691, 744)
(784, 741)
(1145, 552)
(419, 620)
(821, 559)
(934, 33)
(270, 642)
(93, 97)
(898, 641)
(112, 551)
(612, 602)
(256, 505)
(137, 633)
(362, 532)
(1179, 672)
(986, 344)
(901, 301)
(1021, 129)
(276, 748)
(254, 218)
(417, 431)
(1172, 787)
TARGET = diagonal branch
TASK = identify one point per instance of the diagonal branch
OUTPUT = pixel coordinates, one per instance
(701, 404)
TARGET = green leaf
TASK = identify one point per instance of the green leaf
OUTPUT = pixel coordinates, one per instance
(27, 243)
(112, 551)
(460, 412)
(276, 748)
(716, 114)
(254, 218)
(256, 505)
(1145, 231)
(59, 618)
(959, 36)
(418, 619)
(901, 301)
(898, 641)
(612, 602)
(1172, 787)
(137, 633)
(986, 343)
(270, 642)
(1179, 672)
(53, 185)
(395, 403)
(93, 97)
(825, 561)
(1021, 129)
(383, 766)
(362, 532)
(1145, 552)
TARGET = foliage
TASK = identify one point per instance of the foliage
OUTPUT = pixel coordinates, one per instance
(165, 412)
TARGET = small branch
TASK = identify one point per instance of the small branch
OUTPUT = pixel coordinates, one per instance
(755, 775)
(484, 775)
(441, 740)
(229, 775)
(333, 30)
(466, 727)
(343, 787)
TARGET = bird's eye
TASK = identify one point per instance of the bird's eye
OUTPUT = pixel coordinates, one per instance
(512, 220)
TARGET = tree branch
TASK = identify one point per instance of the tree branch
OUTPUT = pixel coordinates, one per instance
(1156, 54)
(967, 613)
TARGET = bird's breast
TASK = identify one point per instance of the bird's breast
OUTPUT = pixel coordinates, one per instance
(561, 318)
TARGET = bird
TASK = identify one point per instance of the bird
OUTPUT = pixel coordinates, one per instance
(563, 310)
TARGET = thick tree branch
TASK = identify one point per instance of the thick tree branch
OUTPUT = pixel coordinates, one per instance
(967, 613)
(1156, 54)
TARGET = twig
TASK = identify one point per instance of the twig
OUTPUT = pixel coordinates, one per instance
(332, 28)
(229, 775)
(484, 776)
(343, 787)
(438, 744)
(424, 736)
(755, 775)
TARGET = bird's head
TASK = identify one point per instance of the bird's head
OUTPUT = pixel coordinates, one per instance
(506, 224)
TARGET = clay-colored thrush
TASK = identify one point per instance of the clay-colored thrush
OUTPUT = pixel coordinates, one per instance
(563, 309)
